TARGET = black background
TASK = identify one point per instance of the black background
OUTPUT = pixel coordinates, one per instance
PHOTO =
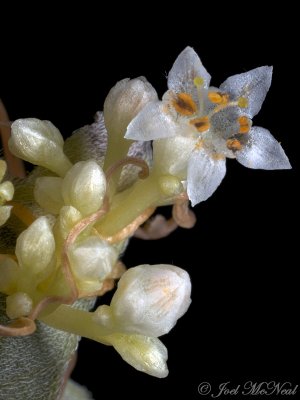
(243, 253)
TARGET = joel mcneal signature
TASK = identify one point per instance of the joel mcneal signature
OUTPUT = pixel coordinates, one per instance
(248, 388)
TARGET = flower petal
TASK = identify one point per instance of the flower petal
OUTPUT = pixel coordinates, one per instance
(205, 173)
(153, 122)
(185, 69)
(253, 85)
(262, 151)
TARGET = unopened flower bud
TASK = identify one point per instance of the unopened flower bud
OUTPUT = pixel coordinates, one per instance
(149, 300)
(84, 187)
(124, 101)
(6, 192)
(92, 261)
(40, 143)
(68, 218)
(170, 185)
(146, 354)
(4, 214)
(18, 305)
(35, 248)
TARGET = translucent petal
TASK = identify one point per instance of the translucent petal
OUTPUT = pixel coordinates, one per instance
(146, 354)
(185, 69)
(205, 173)
(253, 85)
(262, 151)
(153, 122)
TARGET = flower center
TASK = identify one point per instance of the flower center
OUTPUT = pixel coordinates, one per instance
(195, 111)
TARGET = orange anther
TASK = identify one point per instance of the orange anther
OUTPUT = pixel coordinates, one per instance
(215, 97)
(245, 124)
(184, 104)
(201, 124)
(233, 144)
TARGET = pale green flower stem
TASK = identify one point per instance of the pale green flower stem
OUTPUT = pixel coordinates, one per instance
(76, 321)
(117, 149)
(131, 203)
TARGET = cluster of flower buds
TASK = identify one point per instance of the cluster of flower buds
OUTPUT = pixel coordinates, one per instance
(89, 194)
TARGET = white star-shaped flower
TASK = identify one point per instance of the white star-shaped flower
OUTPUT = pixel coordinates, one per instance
(195, 126)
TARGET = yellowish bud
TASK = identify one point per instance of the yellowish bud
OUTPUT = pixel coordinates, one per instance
(68, 218)
(92, 261)
(170, 185)
(124, 101)
(6, 192)
(18, 305)
(146, 354)
(4, 214)
(40, 143)
(84, 187)
(35, 248)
